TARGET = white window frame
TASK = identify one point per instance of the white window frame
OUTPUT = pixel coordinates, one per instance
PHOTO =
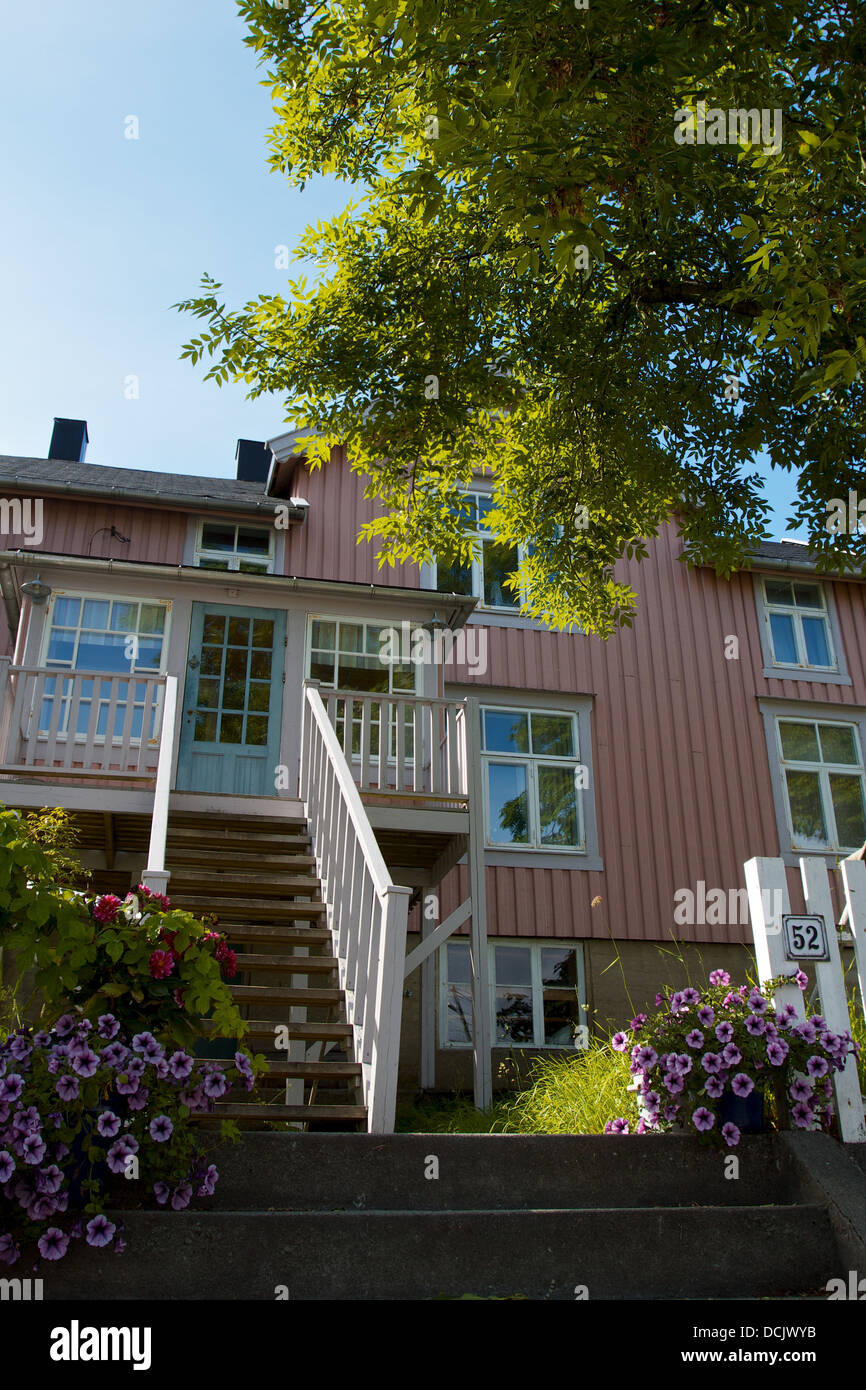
(200, 550)
(834, 674)
(823, 771)
(535, 947)
(364, 623)
(62, 670)
(477, 567)
(534, 844)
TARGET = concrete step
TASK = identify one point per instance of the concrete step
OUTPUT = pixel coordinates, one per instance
(514, 1171)
(612, 1253)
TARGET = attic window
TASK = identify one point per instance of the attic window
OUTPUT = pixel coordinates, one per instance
(225, 545)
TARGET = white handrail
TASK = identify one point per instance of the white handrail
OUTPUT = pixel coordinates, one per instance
(155, 875)
(368, 913)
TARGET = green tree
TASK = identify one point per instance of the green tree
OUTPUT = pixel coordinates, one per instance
(542, 278)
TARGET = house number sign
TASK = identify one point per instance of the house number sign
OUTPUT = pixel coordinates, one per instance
(805, 937)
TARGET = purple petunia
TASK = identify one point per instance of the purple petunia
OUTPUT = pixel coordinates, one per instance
(181, 1196)
(126, 1085)
(50, 1180)
(730, 1134)
(64, 1026)
(619, 1043)
(215, 1085)
(756, 1002)
(7, 1165)
(777, 1051)
(100, 1231)
(636, 1024)
(742, 1085)
(617, 1126)
(160, 1129)
(711, 1062)
(724, 1031)
(695, 1038)
(703, 1119)
(108, 1026)
(806, 1031)
(801, 1114)
(756, 1025)
(643, 1055)
(86, 1063)
(67, 1088)
(800, 1089)
(139, 1100)
(180, 1064)
(33, 1148)
(715, 1087)
(801, 979)
(20, 1048)
(706, 1016)
(690, 997)
(53, 1244)
(672, 1082)
(162, 1192)
(817, 1067)
(720, 977)
(108, 1124)
(11, 1087)
(115, 1054)
(731, 1055)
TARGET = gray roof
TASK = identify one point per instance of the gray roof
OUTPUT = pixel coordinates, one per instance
(137, 483)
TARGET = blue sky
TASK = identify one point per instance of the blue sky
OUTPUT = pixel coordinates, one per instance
(101, 234)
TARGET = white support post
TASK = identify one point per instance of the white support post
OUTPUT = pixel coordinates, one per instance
(834, 1003)
(854, 880)
(768, 900)
(155, 876)
(481, 1040)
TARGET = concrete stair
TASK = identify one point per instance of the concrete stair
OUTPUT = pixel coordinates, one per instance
(356, 1217)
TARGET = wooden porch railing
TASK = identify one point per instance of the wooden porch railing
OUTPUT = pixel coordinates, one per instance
(369, 913)
(402, 745)
(87, 723)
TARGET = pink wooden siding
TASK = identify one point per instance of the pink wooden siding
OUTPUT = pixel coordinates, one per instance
(70, 525)
(325, 546)
(682, 778)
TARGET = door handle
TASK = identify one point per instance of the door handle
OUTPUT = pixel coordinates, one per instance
(193, 663)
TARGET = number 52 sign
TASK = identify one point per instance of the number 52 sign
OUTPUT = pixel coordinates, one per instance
(805, 937)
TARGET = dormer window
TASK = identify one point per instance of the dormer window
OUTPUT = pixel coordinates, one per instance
(242, 549)
(799, 628)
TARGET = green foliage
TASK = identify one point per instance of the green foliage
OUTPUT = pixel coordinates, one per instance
(98, 953)
(56, 833)
(540, 281)
(573, 1095)
(447, 1115)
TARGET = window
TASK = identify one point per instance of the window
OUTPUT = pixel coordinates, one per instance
(822, 770)
(492, 562)
(345, 655)
(535, 994)
(118, 636)
(533, 779)
(798, 623)
(222, 545)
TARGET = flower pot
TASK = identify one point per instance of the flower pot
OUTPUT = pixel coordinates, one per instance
(746, 1112)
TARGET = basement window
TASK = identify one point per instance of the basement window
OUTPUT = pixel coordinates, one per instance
(536, 993)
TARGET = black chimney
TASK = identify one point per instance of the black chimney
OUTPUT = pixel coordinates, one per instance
(69, 440)
(253, 459)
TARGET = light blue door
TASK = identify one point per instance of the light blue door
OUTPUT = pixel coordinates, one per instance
(232, 703)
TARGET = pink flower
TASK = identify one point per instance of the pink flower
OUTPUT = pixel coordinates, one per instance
(227, 959)
(161, 964)
(105, 909)
(158, 899)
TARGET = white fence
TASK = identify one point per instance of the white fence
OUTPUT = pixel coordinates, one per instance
(87, 723)
(368, 913)
(402, 745)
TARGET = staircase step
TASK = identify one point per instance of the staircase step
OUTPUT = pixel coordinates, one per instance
(212, 837)
(249, 907)
(283, 994)
(279, 936)
(287, 964)
(300, 1032)
(310, 1071)
(282, 1112)
(235, 882)
(249, 859)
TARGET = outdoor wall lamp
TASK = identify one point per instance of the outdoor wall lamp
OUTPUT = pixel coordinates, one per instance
(36, 591)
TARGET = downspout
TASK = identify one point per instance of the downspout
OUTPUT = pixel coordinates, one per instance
(11, 603)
